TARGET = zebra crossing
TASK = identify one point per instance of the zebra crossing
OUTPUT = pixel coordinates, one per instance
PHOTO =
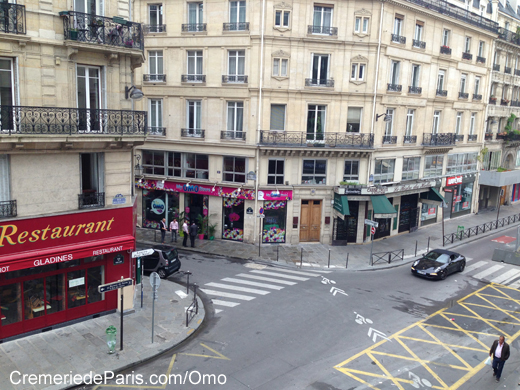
(230, 292)
(490, 271)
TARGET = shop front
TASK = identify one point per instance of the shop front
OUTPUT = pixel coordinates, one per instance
(431, 202)
(51, 267)
(458, 194)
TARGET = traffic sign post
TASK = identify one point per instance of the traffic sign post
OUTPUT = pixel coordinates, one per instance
(115, 286)
(372, 230)
(373, 226)
(371, 223)
(155, 281)
(144, 252)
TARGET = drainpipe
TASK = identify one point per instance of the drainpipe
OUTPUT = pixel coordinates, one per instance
(259, 122)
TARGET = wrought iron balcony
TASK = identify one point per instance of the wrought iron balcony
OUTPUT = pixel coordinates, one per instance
(459, 137)
(477, 96)
(154, 28)
(8, 209)
(445, 50)
(195, 27)
(507, 69)
(82, 27)
(439, 139)
(504, 102)
(240, 26)
(389, 139)
(410, 139)
(323, 30)
(92, 199)
(418, 44)
(16, 120)
(517, 72)
(193, 133)
(238, 79)
(481, 60)
(467, 56)
(193, 78)
(472, 137)
(157, 131)
(232, 134)
(441, 92)
(12, 20)
(488, 136)
(154, 77)
(509, 36)
(501, 136)
(493, 101)
(496, 67)
(301, 139)
(515, 103)
(319, 83)
(412, 89)
(394, 87)
(398, 39)
(463, 95)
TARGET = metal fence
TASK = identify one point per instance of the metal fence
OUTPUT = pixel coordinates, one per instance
(193, 308)
(476, 230)
(387, 257)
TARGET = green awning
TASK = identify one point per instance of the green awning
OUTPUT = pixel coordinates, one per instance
(341, 204)
(433, 196)
(382, 207)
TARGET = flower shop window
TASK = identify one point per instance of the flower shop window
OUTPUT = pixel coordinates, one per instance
(274, 222)
(233, 215)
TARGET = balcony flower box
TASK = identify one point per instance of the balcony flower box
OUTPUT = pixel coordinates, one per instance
(73, 34)
(445, 47)
(119, 20)
(493, 99)
(129, 43)
(64, 13)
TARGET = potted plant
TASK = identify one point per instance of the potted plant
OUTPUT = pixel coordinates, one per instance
(129, 43)
(73, 34)
(211, 231)
(203, 226)
(493, 98)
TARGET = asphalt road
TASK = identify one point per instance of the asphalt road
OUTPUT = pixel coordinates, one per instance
(383, 329)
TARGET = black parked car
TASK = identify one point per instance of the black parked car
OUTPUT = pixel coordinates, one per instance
(438, 264)
(165, 261)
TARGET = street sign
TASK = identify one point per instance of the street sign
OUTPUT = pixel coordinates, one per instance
(261, 211)
(373, 230)
(155, 280)
(141, 253)
(260, 216)
(371, 223)
(114, 285)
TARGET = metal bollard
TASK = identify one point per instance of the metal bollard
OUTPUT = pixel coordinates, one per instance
(188, 273)
(277, 250)
(415, 248)
(427, 250)
(301, 258)
(389, 258)
(328, 266)
(346, 265)
(195, 298)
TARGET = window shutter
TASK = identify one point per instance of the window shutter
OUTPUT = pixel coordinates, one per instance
(277, 117)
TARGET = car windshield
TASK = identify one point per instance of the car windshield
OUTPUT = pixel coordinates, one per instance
(170, 255)
(442, 258)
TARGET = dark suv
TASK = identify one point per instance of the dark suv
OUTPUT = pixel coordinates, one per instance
(165, 261)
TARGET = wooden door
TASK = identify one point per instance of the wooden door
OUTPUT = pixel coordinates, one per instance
(503, 196)
(310, 223)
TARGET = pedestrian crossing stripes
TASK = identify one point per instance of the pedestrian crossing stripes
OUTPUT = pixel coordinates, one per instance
(488, 271)
(237, 288)
(279, 275)
(227, 295)
(256, 284)
(267, 279)
(497, 273)
(511, 274)
(475, 266)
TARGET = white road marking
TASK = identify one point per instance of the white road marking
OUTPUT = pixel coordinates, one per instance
(227, 295)
(322, 272)
(475, 266)
(224, 303)
(294, 272)
(238, 288)
(181, 294)
(510, 279)
(512, 273)
(217, 311)
(487, 272)
(515, 284)
(249, 283)
(267, 279)
(279, 275)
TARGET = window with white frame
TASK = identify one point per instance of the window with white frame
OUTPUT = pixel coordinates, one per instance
(322, 19)
(467, 44)
(492, 160)
(384, 171)
(156, 122)
(461, 163)
(155, 18)
(411, 168)
(361, 25)
(389, 125)
(398, 25)
(314, 172)
(433, 165)
(320, 69)
(278, 116)
(193, 117)
(495, 58)
(280, 66)
(394, 72)
(195, 62)
(477, 85)
(463, 79)
(458, 122)
(481, 46)
(282, 18)
(409, 122)
(275, 171)
(5, 183)
(472, 123)
(236, 65)
(436, 121)
(446, 38)
(235, 118)
(316, 118)
(358, 72)
(351, 172)
(354, 119)
(440, 80)
(418, 34)
(517, 159)
(155, 62)
(195, 16)
(416, 71)
(234, 169)
(237, 15)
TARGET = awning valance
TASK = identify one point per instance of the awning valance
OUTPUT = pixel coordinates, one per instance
(433, 197)
(341, 204)
(382, 207)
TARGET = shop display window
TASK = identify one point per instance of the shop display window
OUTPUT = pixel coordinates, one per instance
(233, 215)
(462, 195)
(428, 211)
(34, 298)
(274, 222)
(55, 293)
(76, 293)
(157, 205)
(10, 304)
(95, 278)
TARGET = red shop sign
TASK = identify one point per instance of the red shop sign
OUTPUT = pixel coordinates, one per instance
(451, 181)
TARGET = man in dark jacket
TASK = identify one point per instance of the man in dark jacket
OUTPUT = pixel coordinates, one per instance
(193, 234)
(500, 353)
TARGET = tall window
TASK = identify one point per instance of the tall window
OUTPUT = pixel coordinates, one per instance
(436, 121)
(477, 85)
(320, 68)
(358, 72)
(195, 17)
(155, 60)
(481, 48)
(7, 93)
(419, 28)
(156, 123)
(236, 64)
(389, 124)
(409, 122)
(281, 18)
(314, 172)
(433, 165)
(398, 25)
(416, 69)
(384, 171)
(463, 83)
(194, 63)
(394, 72)
(235, 115)
(280, 66)
(458, 123)
(411, 168)
(351, 172)
(193, 115)
(472, 123)
(275, 171)
(155, 17)
(235, 169)
(322, 18)
(361, 25)
(440, 80)
(316, 122)
(492, 160)
(89, 96)
(354, 119)
(446, 38)
(467, 44)
(237, 15)
(277, 117)
(495, 58)
(92, 172)
(5, 185)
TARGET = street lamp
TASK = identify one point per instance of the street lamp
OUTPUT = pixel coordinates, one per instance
(133, 93)
(387, 118)
(138, 169)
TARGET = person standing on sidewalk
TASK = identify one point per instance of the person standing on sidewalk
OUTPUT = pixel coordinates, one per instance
(193, 234)
(500, 353)
(163, 229)
(174, 228)
(185, 232)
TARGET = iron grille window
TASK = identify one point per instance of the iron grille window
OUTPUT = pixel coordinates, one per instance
(235, 169)
(275, 171)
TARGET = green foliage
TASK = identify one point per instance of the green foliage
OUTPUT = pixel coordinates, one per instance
(211, 229)
(348, 183)
(501, 169)
(482, 154)
(510, 121)
(203, 224)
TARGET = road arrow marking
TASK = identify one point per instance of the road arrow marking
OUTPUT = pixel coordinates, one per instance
(377, 333)
(335, 290)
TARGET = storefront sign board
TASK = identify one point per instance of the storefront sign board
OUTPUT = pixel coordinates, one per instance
(451, 181)
(409, 188)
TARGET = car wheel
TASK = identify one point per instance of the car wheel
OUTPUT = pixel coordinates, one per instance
(443, 275)
(162, 273)
(462, 266)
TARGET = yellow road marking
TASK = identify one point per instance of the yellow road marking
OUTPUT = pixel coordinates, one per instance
(497, 321)
(391, 377)
(460, 330)
(451, 345)
(413, 359)
(219, 355)
(487, 322)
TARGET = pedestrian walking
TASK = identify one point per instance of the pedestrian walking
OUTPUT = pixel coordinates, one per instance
(185, 232)
(163, 229)
(500, 353)
(193, 234)
(174, 228)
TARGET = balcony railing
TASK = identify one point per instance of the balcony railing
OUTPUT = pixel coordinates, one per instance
(82, 27)
(232, 134)
(89, 200)
(193, 133)
(496, 67)
(459, 137)
(398, 39)
(472, 138)
(515, 103)
(507, 69)
(319, 83)
(12, 20)
(412, 89)
(157, 131)
(508, 36)
(8, 209)
(517, 72)
(53, 120)
(441, 92)
(439, 139)
(154, 28)
(481, 60)
(193, 78)
(493, 101)
(445, 50)
(477, 96)
(299, 139)
(410, 139)
(194, 27)
(488, 136)
(154, 77)
(323, 30)
(237, 79)
(463, 95)
(389, 139)
(467, 56)
(240, 26)
(504, 102)
(394, 87)
(418, 44)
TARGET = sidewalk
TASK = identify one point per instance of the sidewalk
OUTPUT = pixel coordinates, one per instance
(82, 348)
(317, 255)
